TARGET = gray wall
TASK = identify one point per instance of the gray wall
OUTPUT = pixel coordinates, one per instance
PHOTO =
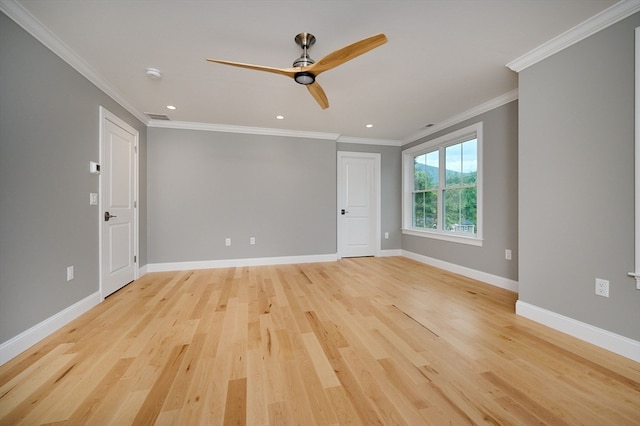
(207, 186)
(500, 199)
(48, 134)
(391, 196)
(573, 171)
(576, 181)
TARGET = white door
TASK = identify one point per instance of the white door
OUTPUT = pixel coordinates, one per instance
(358, 204)
(118, 146)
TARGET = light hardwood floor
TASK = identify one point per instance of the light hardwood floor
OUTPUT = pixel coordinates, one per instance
(358, 341)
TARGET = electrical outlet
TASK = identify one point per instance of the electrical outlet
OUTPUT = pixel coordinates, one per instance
(252, 241)
(227, 242)
(69, 273)
(386, 235)
(507, 254)
(602, 287)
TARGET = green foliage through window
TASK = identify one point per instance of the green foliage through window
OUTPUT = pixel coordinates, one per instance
(447, 177)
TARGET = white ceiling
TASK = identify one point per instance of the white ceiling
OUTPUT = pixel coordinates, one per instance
(443, 57)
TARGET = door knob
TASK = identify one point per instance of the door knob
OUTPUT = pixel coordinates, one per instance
(343, 211)
(108, 216)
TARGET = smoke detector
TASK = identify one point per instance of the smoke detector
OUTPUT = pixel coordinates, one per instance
(154, 74)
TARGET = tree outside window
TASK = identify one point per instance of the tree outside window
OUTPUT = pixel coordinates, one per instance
(443, 176)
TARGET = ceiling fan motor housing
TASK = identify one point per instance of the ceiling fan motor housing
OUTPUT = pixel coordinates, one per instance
(304, 77)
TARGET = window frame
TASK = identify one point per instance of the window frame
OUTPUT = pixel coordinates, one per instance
(440, 143)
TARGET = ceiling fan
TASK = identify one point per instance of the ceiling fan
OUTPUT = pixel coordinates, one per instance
(305, 70)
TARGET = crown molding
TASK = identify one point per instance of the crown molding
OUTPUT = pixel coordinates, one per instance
(368, 141)
(33, 26)
(473, 112)
(40, 32)
(29, 23)
(598, 22)
(265, 131)
(226, 128)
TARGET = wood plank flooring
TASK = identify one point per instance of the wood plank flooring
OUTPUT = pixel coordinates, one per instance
(359, 341)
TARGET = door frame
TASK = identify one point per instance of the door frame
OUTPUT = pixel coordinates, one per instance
(376, 208)
(636, 272)
(105, 114)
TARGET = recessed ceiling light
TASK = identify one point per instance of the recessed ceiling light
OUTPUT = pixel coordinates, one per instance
(171, 107)
(368, 126)
(280, 117)
(154, 74)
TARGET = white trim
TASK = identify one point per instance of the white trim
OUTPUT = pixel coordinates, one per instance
(466, 115)
(266, 131)
(636, 274)
(390, 253)
(485, 277)
(227, 128)
(616, 343)
(142, 270)
(368, 141)
(105, 114)
(40, 32)
(23, 341)
(454, 238)
(234, 263)
(377, 190)
(596, 23)
(407, 186)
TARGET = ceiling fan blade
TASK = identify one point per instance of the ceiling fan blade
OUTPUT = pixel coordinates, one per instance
(347, 53)
(318, 94)
(289, 72)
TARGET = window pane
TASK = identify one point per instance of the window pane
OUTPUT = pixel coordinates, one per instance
(419, 172)
(460, 210)
(453, 165)
(444, 196)
(426, 171)
(425, 209)
(432, 169)
(418, 209)
(470, 161)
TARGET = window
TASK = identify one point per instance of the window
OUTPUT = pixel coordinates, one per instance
(442, 191)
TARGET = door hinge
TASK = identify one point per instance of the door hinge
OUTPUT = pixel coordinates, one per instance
(135, 258)
(135, 149)
(135, 204)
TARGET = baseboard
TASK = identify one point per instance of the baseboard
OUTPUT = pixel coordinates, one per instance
(494, 280)
(231, 263)
(30, 337)
(389, 253)
(602, 338)
(615, 343)
(16, 345)
(143, 270)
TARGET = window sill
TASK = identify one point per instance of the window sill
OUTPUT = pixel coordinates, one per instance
(454, 238)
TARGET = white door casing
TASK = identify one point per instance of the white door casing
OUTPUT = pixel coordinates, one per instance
(636, 272)
(358, 204)
(118, 194)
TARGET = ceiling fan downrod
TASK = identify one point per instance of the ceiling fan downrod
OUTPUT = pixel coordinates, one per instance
(305, 41)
